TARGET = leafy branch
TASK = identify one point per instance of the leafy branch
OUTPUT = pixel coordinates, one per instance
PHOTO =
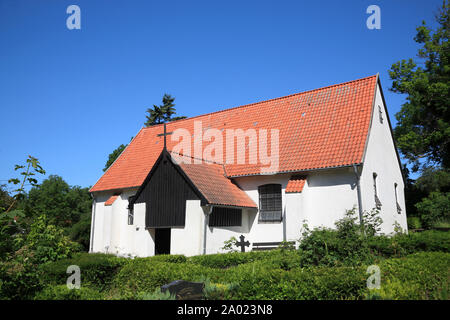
(31, 168)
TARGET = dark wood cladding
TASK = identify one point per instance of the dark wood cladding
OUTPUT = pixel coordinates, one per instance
(225, 217)
(165, 192)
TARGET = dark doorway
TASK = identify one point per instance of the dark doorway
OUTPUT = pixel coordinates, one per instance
(162, 241)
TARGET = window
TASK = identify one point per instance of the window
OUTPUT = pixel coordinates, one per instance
(399, 209)
(225, 217)
(270, 202)
(377, 200)
(380, 114)
(130, 211)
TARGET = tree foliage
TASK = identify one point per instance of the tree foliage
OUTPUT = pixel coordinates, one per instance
(114, 155)
(62, 204)
(163, 113)
(423, 128)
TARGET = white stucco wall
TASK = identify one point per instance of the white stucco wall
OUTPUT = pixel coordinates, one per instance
(381, 158)
(188, 240)
(111, 232)
(325, 197)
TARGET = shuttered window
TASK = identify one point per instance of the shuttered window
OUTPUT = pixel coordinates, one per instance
(130, 211)
(270, 202)
(225, 217)
(377, 200)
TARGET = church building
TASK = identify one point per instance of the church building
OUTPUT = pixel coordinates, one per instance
(260, 170)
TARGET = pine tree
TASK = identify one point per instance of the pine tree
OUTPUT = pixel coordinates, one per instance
(163, 113)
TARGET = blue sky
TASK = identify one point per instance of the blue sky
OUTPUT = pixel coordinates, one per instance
(70, 97)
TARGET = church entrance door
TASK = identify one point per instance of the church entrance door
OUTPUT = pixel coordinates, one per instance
(162, 241)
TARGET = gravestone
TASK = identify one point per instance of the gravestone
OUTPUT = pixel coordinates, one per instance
(185, 290)
(242, 243)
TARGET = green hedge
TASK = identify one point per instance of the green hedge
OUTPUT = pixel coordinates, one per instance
(227, 260)
(146, 275)
(404, 244)
(419, 276)
(61, 292)
(259, 280)
(175, 258)
(97, 270)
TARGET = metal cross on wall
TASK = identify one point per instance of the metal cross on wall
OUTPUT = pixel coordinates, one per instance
(242, 244)
(164, 134)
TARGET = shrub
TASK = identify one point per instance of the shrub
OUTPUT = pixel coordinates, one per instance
(324, 283)
(255, 280)
(258, 280)
(47, 242)
(61, 292)
(155, 295)
(414, 223)
(18, 281)
(347, 245)
(176, 258)
(421, 275)
(434, 208)
(226, 260)
(403, 244)
(97, 270)
(144, 275)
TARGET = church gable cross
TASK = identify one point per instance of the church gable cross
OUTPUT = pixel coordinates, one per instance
(165, 134)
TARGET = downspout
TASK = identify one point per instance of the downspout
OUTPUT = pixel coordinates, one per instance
(358, 190)
(91, 244)
(205, 227)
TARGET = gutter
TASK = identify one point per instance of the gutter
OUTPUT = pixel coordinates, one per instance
(205, 226)
(358, 190)
(91, 244)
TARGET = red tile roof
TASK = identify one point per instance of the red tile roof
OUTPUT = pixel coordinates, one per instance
(211, 181)
(295, 184)
(322, 128)
(111, 200)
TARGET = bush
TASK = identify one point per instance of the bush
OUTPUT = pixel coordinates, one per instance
(434, 208)
(176, 258)
(47, 242)
(414, 223)
(421, 275)
(61, 292)
(18, 281)
(259, 280)
(81, 231)
(325, 283)
(403, 244)
(226, 260)
(347, 245)
(97, 270)
(142, 275)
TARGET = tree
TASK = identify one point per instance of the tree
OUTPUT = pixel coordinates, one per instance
(11, 217)
(62, 204)
(423, 128)
(163, 113)
(114, 155)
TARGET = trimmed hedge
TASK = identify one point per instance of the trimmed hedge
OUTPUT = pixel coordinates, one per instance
(276, 274)
(143, 275)
(61, 292)
(420, 276)
(226, 260)
(97, 270)
(259, 280)
(404, 244)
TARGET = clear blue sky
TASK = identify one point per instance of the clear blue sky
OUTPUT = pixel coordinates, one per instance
(70, 97)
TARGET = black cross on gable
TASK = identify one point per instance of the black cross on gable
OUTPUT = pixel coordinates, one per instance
(242, 244)
(164, 135)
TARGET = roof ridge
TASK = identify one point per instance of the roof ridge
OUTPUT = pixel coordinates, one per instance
(195, 158)
(264, 101)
